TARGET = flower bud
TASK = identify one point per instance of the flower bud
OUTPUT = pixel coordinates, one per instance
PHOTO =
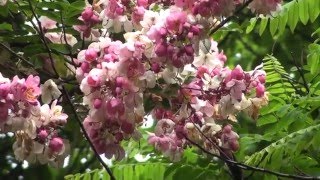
(237, 73)
(260, 89)
(56, 144)
(97, 103)
(87, 14)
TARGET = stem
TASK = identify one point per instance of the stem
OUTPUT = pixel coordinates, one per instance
(42, 37)
(86, 134)
(247, 167)
(222, 23)
(67, 44)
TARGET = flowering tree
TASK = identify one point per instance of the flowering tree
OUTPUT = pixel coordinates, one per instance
(103, 69)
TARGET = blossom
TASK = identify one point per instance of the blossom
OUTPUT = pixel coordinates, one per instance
(49, 91)
(47, 23)
(264, 6)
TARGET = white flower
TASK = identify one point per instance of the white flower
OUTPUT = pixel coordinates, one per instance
(169, 75)
(49, 91)
(122, 23)
(150, 79)
(150, 18)
(210, 82)
(53, 114)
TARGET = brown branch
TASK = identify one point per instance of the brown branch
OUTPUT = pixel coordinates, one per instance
(247, 167)
(86, 134)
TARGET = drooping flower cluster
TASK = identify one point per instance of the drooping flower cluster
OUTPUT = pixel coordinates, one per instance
(168, 58)
(35, 126)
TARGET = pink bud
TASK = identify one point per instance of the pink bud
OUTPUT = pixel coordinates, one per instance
(91, 55)
(127, 127)
(119, 136)
(42, 135)
(237, 73)
(85, 67)
(161, 49)
(195, 30)
(56, 144)
(119, 11)
(189, 50)
(262, 78)
(87, 14)
(260, 89)
(227, 129)
(155, 67)
(95, 19)
(222, 57)
(97, 103)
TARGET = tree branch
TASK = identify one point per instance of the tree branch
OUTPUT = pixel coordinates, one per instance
(247, 167)
(222, 23)
(42, 37)
(86, 134)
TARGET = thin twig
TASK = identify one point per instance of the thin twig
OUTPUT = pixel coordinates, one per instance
(247, 167)
(305, 84)
(86, 134)
(67, 44)
(222, 23)
(42, 37)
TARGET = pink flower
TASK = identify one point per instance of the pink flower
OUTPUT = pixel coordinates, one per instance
(237, 73)
(47, 23)
(87, 14)
(175, 21)
(56, 144)
(264, 6)
(115, 107)
(260, 89)
(91, 55)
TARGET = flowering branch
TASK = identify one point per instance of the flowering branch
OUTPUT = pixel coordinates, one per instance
(65, 92)
(247, 167)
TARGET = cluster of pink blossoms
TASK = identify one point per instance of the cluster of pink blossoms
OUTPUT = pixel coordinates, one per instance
(166, 46)
(35, 126)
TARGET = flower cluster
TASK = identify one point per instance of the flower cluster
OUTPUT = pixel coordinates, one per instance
(35, 126)
(166, 58)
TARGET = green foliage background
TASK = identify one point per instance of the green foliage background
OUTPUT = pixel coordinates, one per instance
(284, 138)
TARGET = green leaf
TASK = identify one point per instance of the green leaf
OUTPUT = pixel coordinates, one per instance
(314, 10)
(315, 63)
(268, 119)
(303, 11)
(293, 16)
(274, 25)
(5, 27)
(252, 25)
(263, 25)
